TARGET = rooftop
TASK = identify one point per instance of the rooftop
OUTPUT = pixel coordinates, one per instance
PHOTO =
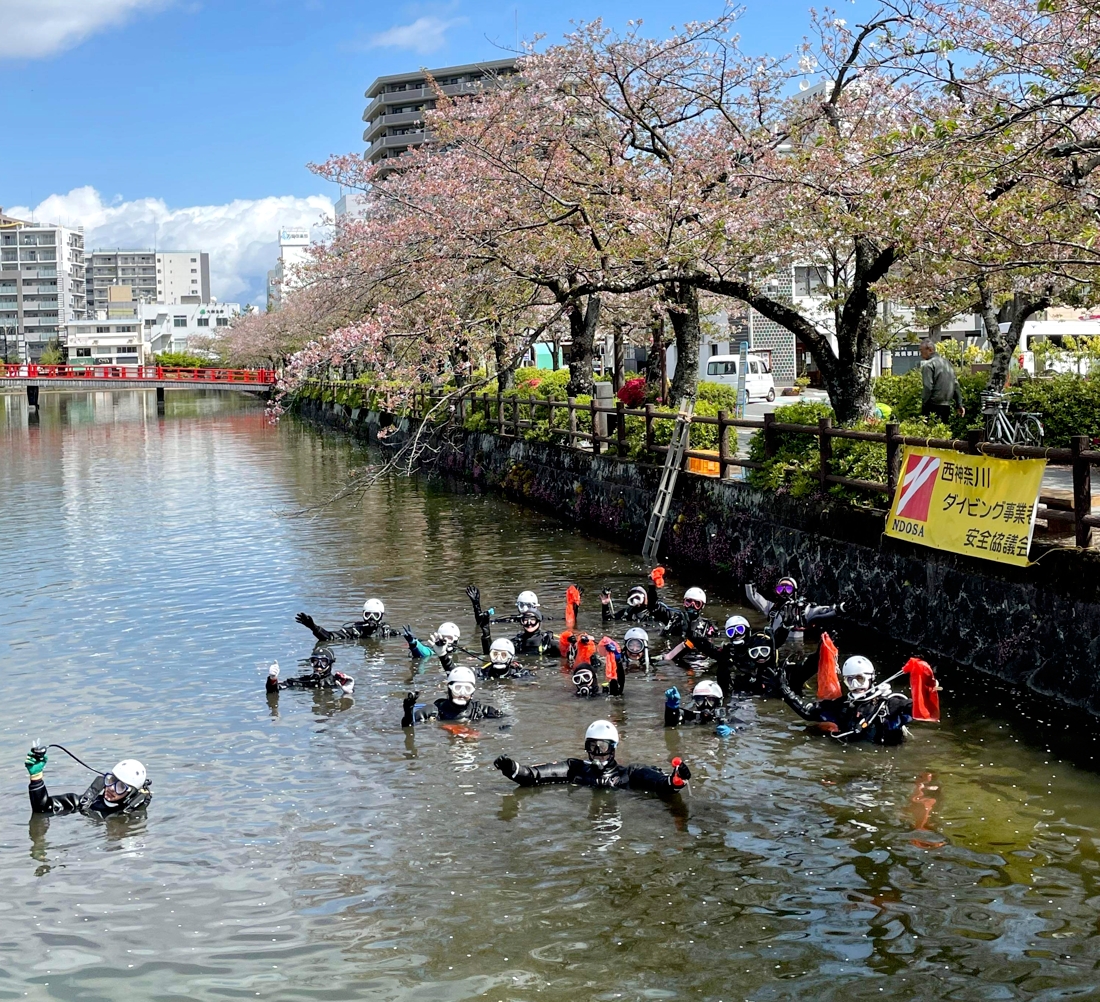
(489, 66)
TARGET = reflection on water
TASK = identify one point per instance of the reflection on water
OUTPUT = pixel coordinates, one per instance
(303, 846)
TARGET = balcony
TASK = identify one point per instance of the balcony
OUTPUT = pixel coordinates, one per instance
(383, 122)
(398, 143)
(414, 95)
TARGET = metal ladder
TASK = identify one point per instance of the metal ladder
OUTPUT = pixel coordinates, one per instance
(674, 459)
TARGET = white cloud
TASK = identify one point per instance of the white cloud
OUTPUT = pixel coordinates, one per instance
(241, 237)
(36, 28)
(424, 35)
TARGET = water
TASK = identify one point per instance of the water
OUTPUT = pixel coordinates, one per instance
(307, 848)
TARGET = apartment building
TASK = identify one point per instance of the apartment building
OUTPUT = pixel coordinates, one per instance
(41, 285)
(154, 276)
(396, 103)
(293, 251)
(150, 328)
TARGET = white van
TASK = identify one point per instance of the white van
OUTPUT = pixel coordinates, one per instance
(759, 384)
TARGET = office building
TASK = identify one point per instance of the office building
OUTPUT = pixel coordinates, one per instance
(152, 328)
(41, 285)
(293, 251)
(172, 327)
(154, 276)
(351, 205)
(395, 103)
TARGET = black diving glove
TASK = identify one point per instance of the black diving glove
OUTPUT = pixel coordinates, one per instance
(506, 765)
(305, 619)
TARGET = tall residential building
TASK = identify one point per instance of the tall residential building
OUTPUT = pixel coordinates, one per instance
(41, 285)
(293, 250)
(352, 205)
(154, 276)
(394, 112)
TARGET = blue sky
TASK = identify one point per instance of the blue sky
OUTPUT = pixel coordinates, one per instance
(193, 121)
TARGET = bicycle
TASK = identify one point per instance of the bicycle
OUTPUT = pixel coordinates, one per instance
(1019, 428)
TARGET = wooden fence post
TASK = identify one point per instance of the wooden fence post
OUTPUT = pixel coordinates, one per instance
(893, 456)
(723, 444)
(500, 412)
(649, 410)
(515, 418)
(620, 427)
(571, 402)
(595, 437)
(771, 447)
(825, 449)
(1082, 489)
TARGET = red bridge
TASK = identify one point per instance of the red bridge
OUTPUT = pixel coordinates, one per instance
(132, 377)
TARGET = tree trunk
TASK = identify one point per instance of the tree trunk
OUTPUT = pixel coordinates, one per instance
(619, 376)
(555, 362)
(846, 373)
(684, 315)
(1004, 345)
(582, 327)
(506, 375)
(653, 367)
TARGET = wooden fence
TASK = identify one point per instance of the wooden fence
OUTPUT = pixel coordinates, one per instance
(504, 416)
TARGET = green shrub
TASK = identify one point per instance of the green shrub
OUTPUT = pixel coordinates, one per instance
(1069, 404)
(184, 360)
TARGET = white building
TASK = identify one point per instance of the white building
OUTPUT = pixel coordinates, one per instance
(41, 285)
(114, 339)
(155, 276)
(351, 205)
(293, 251)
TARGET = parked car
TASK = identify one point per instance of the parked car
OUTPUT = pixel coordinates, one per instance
(758, 379)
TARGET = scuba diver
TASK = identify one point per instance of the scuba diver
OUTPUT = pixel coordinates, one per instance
(370, 625)
(502, 662)
(458, 705)
(868, 712)
(636, 608)
(687, 622)
(707, 698)
(526, 601)
(531, 639)
(322, 676)
(601, 770)
(442, 644)
(635, 653)
(123, 790)
(789, 611)
(586, 677)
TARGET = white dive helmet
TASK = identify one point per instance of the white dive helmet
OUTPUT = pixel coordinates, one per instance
(373, 610)
(131, 772)
(449, 632)
(602, 730)
(738, 636)
(634, 637)
(526, 601)
(861, 668)
(708, 687)
(695, 595)
(636, 597)
(461, 684)
(636, 633)
(502, 651)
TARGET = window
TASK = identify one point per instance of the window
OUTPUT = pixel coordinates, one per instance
(125, 330)
(126, 349)
(203, 322)
(754, 368)
(83, 352)
(194, 260)
(179, 321)
(714, 349)
(722, 368)
(194, 271)
(809, 281)
(223, 321)
(103, 330)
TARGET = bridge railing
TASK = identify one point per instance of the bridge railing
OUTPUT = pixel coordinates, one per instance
(153, 373)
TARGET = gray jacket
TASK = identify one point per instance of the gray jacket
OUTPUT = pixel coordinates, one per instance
(940, 386)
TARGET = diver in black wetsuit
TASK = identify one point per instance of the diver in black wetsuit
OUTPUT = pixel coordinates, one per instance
(370, 625)
(458, 705)
(707, 699)
(322, 676)
(586, 677)
(601, 769)
(531, 639)
(686, 623)
(123, 790)
(635, 611)
(868, 712)
(789, 611)
(502, 662)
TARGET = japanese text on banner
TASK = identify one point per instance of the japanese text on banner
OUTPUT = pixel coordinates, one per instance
(975, 505)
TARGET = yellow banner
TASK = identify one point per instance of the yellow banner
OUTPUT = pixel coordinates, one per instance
(974, 505)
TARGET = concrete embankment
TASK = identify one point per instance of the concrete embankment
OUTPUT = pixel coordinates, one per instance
(1035, 628)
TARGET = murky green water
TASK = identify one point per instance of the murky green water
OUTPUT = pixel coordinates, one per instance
(309, 849)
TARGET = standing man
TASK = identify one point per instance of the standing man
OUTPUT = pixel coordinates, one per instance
(940, 390)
